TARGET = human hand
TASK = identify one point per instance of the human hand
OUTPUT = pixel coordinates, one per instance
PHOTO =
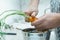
(47, 21)
(32, 13)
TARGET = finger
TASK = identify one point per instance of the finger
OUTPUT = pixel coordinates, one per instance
(28, 12)
(38, 22)
(37, 28)
(41, 27)
(34, 14)
(44, 26)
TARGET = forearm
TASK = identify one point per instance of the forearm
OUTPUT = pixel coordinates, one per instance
(58, 14)
(57, 19)
(34, 4)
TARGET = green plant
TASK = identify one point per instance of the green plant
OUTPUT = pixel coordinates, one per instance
(6, 26)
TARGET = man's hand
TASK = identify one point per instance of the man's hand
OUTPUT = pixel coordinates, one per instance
(32, 9)
(47, 21)
(31, 12)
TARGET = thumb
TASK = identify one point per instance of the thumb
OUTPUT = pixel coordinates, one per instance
(34, 14)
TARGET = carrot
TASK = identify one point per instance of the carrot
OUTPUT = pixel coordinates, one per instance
(32, 19)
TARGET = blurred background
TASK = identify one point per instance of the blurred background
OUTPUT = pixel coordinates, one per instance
(21, 5)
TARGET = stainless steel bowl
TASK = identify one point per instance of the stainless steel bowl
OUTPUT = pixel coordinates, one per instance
(33, 34)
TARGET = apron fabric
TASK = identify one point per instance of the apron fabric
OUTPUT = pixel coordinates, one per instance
(55, 8)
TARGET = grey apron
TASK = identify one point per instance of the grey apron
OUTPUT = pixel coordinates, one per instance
(55, 8)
